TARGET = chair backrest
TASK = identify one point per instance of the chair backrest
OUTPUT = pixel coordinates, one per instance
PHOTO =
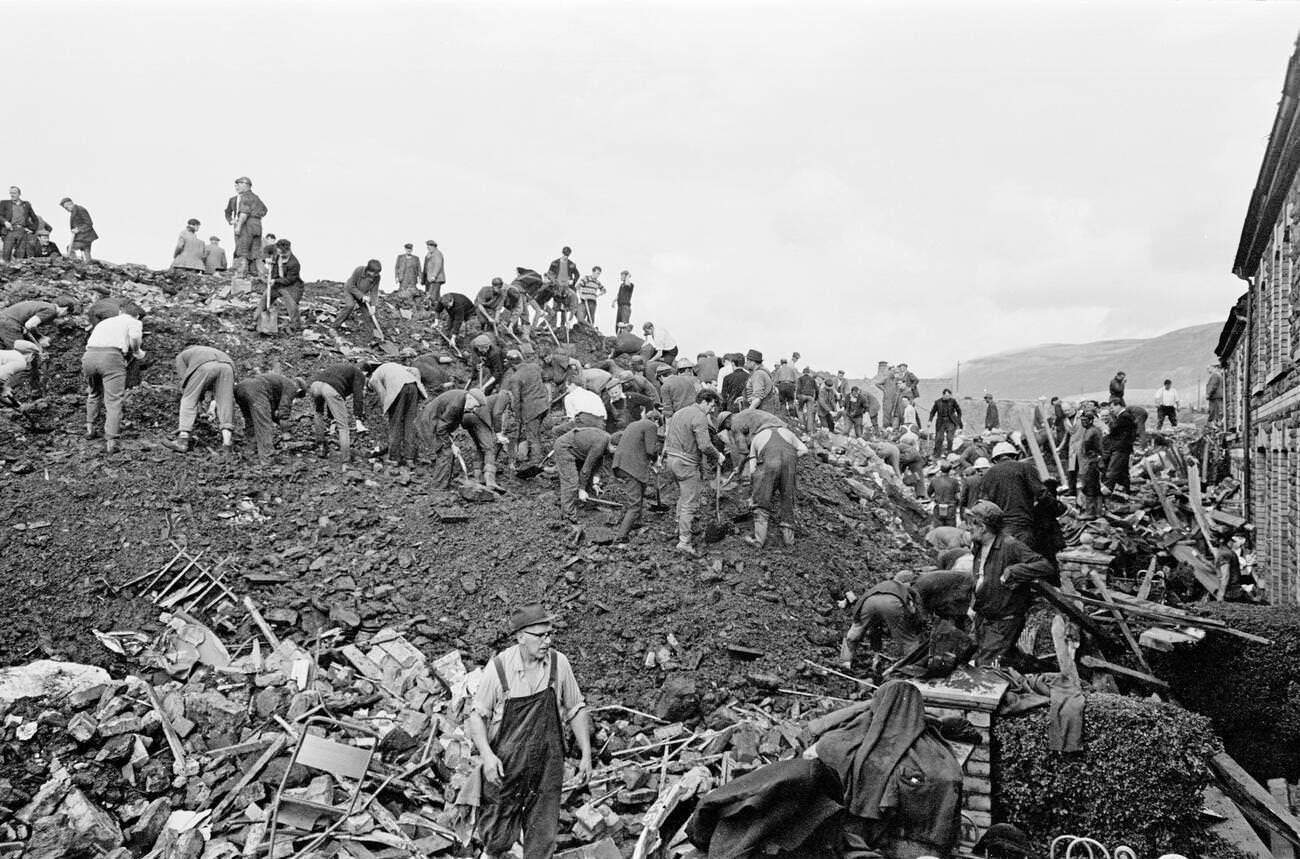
(341, 760)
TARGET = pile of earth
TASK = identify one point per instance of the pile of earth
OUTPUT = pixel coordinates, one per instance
(365, 542)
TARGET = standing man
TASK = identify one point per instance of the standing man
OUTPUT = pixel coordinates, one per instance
(686, 444)
(775, 451)
(805, 392)
(734, 383)
(406, 271)
(1014, 486)
(760, 390)
(286, 281)
(590, 289)
(991, 419)
(564, 272)
(1214, 393)
(524, 700)
(623, 302)
(363, 290)
(329, 390)
(400, 391)
(1167, 405)
(432, 276)
(201, 369)
(1090, 465)
(944, 489)
(634, 457)
(855, 408)
(826, 404)
(785, 376)
(214, 256)
(263, 400)
(909, 384)
(1004, 569)
(1118, 447)
(678, 391)
(82, 227)
(17, 222)
(531, 402)
(113, 342)
(244, 213)
(188, 254)
(1117, 386)
(946, 415)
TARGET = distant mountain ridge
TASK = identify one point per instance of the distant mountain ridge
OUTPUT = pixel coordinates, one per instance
(1072, 370)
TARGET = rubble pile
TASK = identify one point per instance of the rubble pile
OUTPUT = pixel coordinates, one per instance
(196, 752)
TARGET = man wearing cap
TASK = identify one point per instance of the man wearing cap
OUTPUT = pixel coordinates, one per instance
(286, 281)
(527, 695)
(785, 376)
(686, 443)
(200, 370)
(458, 309)
(563, 273)
(1117, 385)
(623, 302)
(329, 390)
(946, 416)
(487, 364)
(637, 448)
(363, 291)
(1118, 445)
(764, 439)
(733, 384)
(442, 416)
(855, 410)
(432, 275)
(264, 400)
(214, 256)
(890, 606)
(488, 302)
(579, 454)
(970, 484)
(1004, 570)
(531, 402)
(760, 391)
(826, 404)
(909, 385)
(244, 213)
(944, 489)
(43, 248)
(1014, 486)
(991, 419)
(188, 253)
(18, 220)
(1090, 464)
(400, 391)
(406, 271)
(678, 391)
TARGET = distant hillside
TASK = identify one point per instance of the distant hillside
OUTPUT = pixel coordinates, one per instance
(1071, 369)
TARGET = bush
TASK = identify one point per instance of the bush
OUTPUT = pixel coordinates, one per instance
(1251, 692)
(1137, 782)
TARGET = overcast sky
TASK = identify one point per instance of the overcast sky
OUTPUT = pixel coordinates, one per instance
(859, 182)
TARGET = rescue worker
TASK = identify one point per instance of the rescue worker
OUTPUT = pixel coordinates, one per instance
(527, 695)
(946, 415)
(944, 489)
(112, 345)
(635, 452)
(330, 389)
(775, 450)
(264, 400)
(760, 390)
(1090, 466)
(400, 392)
(1004, 568)
(891, 607)
(579, 454)
(686, 444)
(202, 369)
(1014, 486)
(531, 402)
(487, 364)
(443, 415)
(362, 290)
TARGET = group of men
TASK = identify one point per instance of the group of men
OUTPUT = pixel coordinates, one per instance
(24, 234)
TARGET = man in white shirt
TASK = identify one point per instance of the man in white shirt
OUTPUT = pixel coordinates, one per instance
(585, 408)
(110, 344)
(1167, 404)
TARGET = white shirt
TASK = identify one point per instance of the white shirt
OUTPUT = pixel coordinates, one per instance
(1167, 396)
(581, 401)
(120, 332)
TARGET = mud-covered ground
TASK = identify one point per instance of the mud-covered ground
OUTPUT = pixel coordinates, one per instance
(76, 525)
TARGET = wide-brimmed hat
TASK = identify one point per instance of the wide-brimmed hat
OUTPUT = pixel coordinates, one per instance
(528, 615)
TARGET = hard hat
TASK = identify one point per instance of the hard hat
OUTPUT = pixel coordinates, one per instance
(1004, 448)
(982, 463)
(683, 363)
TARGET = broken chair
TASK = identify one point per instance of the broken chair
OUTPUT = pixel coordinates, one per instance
(344, 763)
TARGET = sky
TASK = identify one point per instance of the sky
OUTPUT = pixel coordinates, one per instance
(899, 181)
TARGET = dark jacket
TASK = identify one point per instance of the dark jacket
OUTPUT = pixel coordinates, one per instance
(733, 387)
(83, 228)
(1014, 486)
(288, 273)
(278, 390)
(946, 412)
(991, 416)
(806, 386)
(254, 208)
(1123, 432)
(363, 284)
(456, 306)
(855, 405)
(346, 378)
(31, 222)
(554, 272)
(996, 599)
(637, 448)
(1214, 386)
(1117, 388)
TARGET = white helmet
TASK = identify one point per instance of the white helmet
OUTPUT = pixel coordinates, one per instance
(1004, 448)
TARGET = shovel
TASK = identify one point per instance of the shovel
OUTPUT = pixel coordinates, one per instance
(717, 529)
(530, 471)
(267, 320)
(658, 505)
(374, 320)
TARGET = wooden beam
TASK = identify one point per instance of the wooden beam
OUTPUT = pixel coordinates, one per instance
(1282, 848)
(1233, 828)
(1100, 584)
(1031, 438)
(1071, 609)
(1103, 665)
(1256, 803)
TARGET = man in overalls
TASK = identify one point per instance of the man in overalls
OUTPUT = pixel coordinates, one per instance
(527, 694)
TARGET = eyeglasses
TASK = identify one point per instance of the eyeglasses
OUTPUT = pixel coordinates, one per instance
(542, 635)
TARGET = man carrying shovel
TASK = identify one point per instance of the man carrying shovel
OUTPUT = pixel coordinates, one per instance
(439, 418)
(686, 444)
(579, 454)
(363, 294)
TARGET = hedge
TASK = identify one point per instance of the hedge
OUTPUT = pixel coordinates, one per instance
(1137, 782)
(1251, 692)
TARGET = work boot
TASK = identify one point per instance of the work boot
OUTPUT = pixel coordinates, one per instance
(760, 530)
(490, 478)
(180, 445)
(110, 446)
(92, 431)
(787, 534)
(686, 548)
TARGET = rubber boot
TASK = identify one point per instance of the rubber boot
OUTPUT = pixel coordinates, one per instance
(759, 539)
(110, 446)
(787, 534)
(625, 527)
(490, 478)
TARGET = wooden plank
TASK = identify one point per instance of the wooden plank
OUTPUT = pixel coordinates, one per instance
(1165, 640)
(1144, 589)
(251, 773)
(1031, 438)
(1233, 828)
(1256, 803)
(1228, 520)
(1100, 584)
(1097, 662)
(1203, 570)
(1198, 513)
(1071, 609)
(1166, 504)
(1282, 849)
